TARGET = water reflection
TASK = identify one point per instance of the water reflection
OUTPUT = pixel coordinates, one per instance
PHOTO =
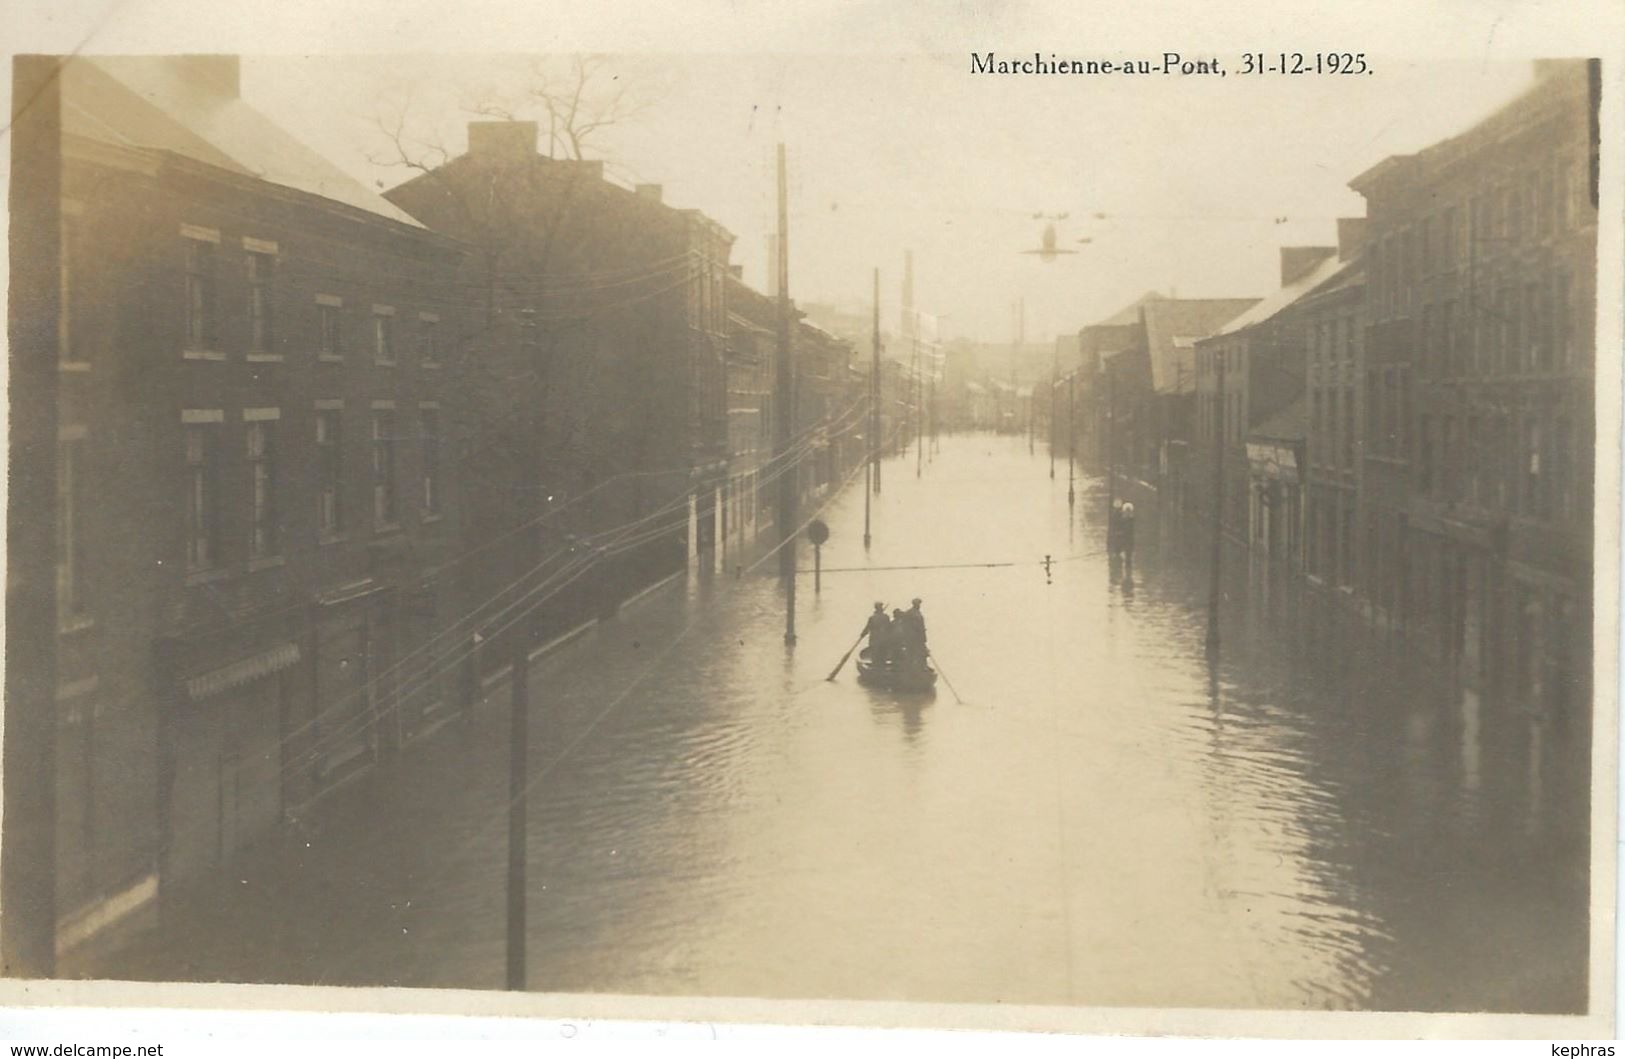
(1112, 815)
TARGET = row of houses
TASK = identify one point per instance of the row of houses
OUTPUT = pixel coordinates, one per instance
(328, 458)
(1407, 421)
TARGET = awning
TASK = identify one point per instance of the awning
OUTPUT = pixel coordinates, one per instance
(242, 672)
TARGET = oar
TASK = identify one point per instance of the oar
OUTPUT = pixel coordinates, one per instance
(842, 663)
(944, 673)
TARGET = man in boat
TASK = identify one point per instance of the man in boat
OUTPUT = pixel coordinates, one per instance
(902, 644)
(912, 634)
(879, 631)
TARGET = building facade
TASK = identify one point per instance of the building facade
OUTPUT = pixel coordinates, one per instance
(1334, 332)
(249, 374)
(597, 348)
(1247, 371)
(1479, 378)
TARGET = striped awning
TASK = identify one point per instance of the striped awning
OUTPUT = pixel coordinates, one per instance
(242, 672)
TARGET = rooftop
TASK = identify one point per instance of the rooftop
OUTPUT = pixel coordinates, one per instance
(1308, 282)
(1173, 326)
(190, 105)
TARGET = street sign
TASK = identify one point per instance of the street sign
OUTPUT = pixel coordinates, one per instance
(817, 532)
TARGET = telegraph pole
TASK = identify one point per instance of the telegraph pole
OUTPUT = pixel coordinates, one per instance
(785, 399)
(873, 485)
(518, 781)
(28, 839)
(1111, 437)
(919, 391)
(1054, 381)
(874, 411)
(1218, 514)
(1071, 439)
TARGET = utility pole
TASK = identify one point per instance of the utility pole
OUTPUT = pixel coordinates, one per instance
(1111, 437)
(782, 422)
(1054, 381)
(919, 417)
(518, 781)
(931, 407)
(28, 839)
(1218, 513)
(1071, 438)
(878, 390)
(873, 485)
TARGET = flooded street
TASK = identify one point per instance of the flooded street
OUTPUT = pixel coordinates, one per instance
(1089, 813)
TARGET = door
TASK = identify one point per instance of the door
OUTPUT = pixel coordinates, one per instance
(195, 839)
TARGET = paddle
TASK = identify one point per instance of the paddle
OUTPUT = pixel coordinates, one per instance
(944, 673)
(842, 663)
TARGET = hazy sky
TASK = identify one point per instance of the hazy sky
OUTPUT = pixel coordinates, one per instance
(888, 154)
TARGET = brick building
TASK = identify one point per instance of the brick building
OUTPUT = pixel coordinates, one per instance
(252, 484)
(1479, 381)
(598, 349)
(1334, 322)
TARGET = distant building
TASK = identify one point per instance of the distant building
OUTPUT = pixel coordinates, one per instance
(751, 357)
(256, 487)
(1142, 399)
(1249, 370)
(1096, 344)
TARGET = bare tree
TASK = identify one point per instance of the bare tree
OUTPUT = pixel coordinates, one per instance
(579, 104)
(518, 217)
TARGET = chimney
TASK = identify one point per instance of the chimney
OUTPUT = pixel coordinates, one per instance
(648, 191)
(1298, 261)
(1350, 236)
(510, 140)
(220, 74)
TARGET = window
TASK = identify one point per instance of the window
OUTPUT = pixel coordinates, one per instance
(1532, 486)
(1448, 238)
(1560, 197)
(1452, 339)
(330, 471)
(1427, 347)
(261, 437)
(1514, 214)
(429, 420)
(1562, 317)
(383, 331)
(1373, 412)
(385, 510)
(1542, 185)
(428, 340)
(200, 295)
(66, 282)
(1427, 470)
(330, 313)
(261, 337)
(70, 545)
(1504, 331)
(1348, 428)
(1449, 482)
(1562, 469)
(203, 494)
(1474, 461)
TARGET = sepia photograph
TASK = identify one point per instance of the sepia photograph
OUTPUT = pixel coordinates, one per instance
(1002, 531)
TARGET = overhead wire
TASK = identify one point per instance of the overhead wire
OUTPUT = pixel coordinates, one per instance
(619, 545)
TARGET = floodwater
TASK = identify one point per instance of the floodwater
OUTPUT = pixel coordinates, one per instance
(1092, 813)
